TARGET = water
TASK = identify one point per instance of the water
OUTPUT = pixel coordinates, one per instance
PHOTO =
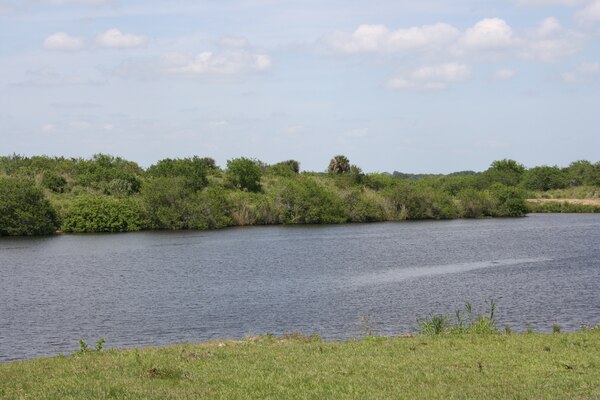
(153, 288)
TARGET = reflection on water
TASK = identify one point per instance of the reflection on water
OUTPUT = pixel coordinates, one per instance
(164, 287)
(400, 274)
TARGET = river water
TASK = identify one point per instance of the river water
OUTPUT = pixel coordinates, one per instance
(152, 288)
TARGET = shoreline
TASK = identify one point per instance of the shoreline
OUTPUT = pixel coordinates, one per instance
(484, 366)
(541, 202)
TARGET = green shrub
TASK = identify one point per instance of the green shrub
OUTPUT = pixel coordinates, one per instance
(545, 178)
(434, 324)
(209, 209)
(101, 169)
(583, 172)
(303, 201)
(412, 201)
(96, 213)
(439, 324)
(167, 202)
(253, 208)
(244, 174)
(24, 210)
(193, 170)
(508, 172)
(170, 203)
(53, 181)
(509, 201)
(363, 208)
(285, 168)
(475, 204)
(378, 181)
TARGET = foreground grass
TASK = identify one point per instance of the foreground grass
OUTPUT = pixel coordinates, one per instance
(519, 366)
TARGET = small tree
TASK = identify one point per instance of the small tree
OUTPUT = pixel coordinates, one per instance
(545, 178)
(244, 174)
(507, 172)
(582, 172)
(291, 164)
(285, 168)
(339, 165)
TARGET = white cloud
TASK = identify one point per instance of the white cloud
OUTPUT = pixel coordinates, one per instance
(235, 61)
(378, 38)
(488, 34)
(48, 128)
(114, 38)
(551, 41)
(108, 127)
(590, 13)
(504, 74)
(61, 41)
(584, 73)
(432, 77)
(491, 38)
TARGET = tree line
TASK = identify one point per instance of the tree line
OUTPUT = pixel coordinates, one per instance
(40, 195)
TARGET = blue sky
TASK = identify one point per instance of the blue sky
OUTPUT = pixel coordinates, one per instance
(413, 86)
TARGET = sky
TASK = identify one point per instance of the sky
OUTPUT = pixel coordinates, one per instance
(428, 86)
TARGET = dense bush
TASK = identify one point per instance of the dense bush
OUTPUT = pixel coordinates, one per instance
(24, 210)
(101, 172)
(509, 201)
(285, 168)
(363, 206)
(98, 213)
(53, 181)
(475, 204)
(107, 193)
(507, 172)
(303, 201)
(249, 208)
(545, 178)
(209, 209)
(167, 202)
(244, 174)
(193, 170)
(170, 203)
(411, 201)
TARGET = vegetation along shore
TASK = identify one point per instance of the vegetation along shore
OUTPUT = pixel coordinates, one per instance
(41, 195)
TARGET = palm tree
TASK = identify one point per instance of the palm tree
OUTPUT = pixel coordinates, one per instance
(339, 165)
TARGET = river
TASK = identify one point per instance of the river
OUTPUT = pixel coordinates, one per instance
(154, 288)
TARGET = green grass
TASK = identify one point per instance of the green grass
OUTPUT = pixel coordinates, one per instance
(464, 366)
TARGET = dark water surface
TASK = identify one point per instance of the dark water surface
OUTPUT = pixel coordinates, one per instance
(164, 287)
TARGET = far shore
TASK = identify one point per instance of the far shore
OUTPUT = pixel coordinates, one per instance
(583, 202)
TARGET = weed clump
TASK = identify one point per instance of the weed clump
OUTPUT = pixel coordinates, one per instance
(85, 348)
(464, 322)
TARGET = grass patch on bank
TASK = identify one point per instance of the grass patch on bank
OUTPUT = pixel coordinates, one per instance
(450, 366)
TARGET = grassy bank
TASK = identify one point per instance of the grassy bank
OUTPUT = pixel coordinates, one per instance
(467, 366)
(564, 205)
